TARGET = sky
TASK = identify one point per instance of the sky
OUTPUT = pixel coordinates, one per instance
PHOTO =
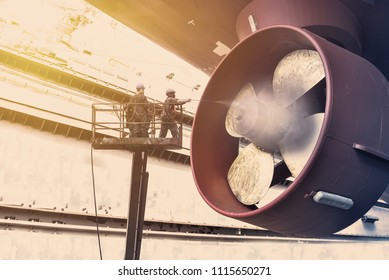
(82, 35)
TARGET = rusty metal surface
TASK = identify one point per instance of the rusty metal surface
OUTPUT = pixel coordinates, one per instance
(43, 171)
(58, 245)
(192, 28)
(47, 210)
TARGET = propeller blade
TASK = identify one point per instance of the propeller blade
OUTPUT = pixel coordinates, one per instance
(298, 143)
(295, 75)
(250, 174)
(312, 102)
(271, 195)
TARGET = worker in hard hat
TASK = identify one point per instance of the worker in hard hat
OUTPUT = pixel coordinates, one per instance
(167, 117)
(137, 113)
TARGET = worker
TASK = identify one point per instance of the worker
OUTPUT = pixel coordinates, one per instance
(167, 117)
(137, 112)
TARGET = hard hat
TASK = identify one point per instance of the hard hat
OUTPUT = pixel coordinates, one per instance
(170, 91)
(140, 86)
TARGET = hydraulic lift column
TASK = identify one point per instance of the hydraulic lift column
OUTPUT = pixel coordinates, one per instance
(137, 203)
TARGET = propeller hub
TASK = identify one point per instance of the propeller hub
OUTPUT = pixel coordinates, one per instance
(262, 123)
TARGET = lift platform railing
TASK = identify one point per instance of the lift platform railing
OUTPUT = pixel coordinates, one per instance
(111, 127)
